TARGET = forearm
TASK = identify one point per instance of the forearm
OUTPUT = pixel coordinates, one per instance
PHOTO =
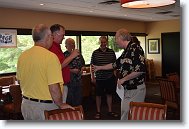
(105, 67)
(67, 61)
(73, 54)
(75, 70)
(132, 75)
(92, 74)
(128, 77)
(56, 94)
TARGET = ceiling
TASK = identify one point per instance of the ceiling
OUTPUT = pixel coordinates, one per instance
(101, 8)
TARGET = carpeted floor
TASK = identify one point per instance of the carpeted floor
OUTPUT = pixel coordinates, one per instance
(152, 95)
(89, 104)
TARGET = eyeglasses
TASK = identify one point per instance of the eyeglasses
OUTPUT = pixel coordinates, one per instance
(51, 35)
(60, 34)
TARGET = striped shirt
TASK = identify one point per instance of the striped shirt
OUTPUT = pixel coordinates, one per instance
(100, 58)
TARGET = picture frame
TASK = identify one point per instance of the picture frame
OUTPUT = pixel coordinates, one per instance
(8, 38)
(153, 46)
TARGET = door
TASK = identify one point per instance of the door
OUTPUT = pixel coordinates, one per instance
(170, 52)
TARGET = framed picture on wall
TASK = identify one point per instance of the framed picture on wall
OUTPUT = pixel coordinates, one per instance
(8, 38)
(153, 46)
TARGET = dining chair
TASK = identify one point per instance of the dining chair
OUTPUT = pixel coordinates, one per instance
(150, 69)
(147, 111)
(8, 80)
(175, 78)
(5, 83)
(65, 114)
(13, 109)
(170, 95)
(1, 95)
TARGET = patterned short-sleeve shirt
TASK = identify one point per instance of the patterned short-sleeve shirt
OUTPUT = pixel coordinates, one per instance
(78, 62)
(132, 60)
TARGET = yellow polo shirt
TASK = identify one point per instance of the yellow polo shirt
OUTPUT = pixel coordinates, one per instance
(37, 68)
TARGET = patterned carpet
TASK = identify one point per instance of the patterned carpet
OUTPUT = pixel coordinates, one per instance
(89, 104)
(152, 95)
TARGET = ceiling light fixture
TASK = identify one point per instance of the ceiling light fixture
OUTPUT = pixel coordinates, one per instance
(145, 3)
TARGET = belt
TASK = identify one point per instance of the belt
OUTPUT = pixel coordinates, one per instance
(38, 100)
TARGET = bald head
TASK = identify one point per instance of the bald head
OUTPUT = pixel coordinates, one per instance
(42, 36)
(70, 44)
(39, 32)
(122, 38)
(123, 34)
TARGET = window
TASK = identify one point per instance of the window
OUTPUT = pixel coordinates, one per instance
(88, 45)
(9, 56)
(113, 46)
(87, 41)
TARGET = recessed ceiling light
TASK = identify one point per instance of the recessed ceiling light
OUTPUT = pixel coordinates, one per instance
(41, 4)
(90, 11)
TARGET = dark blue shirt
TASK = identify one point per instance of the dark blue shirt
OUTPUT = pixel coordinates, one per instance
(78, 62)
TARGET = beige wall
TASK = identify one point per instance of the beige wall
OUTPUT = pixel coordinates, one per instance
(14, 18)
(154, 30)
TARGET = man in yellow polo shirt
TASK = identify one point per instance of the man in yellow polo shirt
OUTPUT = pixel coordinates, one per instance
(40, 77)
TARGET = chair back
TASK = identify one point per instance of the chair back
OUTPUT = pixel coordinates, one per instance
(175, 78)
(147, 111)
(6, 81)
(16, 94)
(1, 95)
(65, 114)
(168, 91)
(170, 95)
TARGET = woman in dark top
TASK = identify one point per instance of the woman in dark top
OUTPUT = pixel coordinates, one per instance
(74, 97)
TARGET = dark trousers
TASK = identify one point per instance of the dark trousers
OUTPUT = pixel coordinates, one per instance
(74, 97)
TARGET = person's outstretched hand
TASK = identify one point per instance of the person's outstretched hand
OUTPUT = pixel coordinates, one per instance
(95, 68)
(120, 82)
(65, 106)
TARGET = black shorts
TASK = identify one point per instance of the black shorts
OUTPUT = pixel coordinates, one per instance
(106, 86)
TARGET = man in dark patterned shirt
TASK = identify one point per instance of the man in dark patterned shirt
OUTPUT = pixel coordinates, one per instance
(132, 69)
